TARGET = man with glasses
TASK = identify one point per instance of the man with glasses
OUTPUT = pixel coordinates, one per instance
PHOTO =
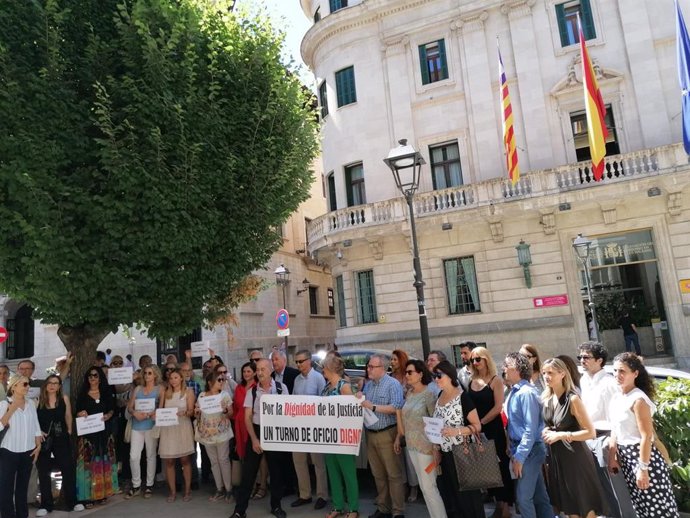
(525, 425)
(598, 388)
(309, 383)
(434, 358)
(255, 355)
(384, 396)
(281, 371)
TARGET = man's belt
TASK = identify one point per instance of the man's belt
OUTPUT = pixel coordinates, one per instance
(382, 429)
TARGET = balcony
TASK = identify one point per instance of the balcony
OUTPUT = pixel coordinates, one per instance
(619, 168)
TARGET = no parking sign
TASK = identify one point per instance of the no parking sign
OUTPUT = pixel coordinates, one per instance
(283, 322)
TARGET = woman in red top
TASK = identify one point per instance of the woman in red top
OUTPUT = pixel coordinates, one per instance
(248, 381)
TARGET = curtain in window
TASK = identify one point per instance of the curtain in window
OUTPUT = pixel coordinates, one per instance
(471, 279)
(367, 303)
(455, 172)
(451, 268)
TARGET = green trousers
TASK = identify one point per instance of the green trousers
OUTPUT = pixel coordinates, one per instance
(342, 473)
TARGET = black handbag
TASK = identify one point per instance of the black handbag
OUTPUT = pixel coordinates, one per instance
(47, 444)
(476, 464)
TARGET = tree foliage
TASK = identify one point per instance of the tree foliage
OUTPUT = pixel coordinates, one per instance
(147, 150)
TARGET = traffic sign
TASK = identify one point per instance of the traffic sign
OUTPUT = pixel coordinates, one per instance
(3, 334)
(282, 319)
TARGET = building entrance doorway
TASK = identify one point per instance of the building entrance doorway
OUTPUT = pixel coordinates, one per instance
(626, 278)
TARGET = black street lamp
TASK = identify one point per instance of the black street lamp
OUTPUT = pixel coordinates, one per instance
(406, 164)
(283, 279)
(583, 247)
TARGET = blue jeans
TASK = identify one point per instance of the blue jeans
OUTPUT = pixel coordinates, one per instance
(630, 341)
(530, 489)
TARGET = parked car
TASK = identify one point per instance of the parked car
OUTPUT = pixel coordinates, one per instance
(355, 361)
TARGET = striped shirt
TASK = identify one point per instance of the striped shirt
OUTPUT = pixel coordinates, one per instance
(23, 427)
(386, 391)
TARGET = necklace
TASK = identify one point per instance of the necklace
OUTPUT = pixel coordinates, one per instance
(97, 397)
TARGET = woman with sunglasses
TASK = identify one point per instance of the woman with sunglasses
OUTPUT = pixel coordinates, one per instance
(19, 447)
(55, 417)
(419, 403)
(461, 421)
(177, 441)
(142, 407)
(214, 431)
(96, 461)
(486, 392)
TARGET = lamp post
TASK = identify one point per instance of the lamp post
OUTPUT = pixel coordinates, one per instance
(406, 164)
(283, 279)
(582, 247)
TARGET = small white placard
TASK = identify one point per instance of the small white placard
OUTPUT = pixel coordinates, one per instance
(211, 404)
(432, 429)
(119, 376)
(90, 424)
(145, 405)
(370, 418)
(34, 392)
(200, 348)
(166, 417)
(284, 332)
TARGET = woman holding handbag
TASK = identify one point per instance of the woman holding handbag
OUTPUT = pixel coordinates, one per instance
(214, 431)
(142, 408)
(55, 417)
(460, 422)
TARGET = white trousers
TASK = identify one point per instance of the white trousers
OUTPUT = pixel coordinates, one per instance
(427, 483)
(139, 440)
(219, 455)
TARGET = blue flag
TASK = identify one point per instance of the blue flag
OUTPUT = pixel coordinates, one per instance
(683, 52)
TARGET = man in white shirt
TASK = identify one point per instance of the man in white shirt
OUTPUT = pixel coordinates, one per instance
(464, 373)
(309, 383)
(598, 389)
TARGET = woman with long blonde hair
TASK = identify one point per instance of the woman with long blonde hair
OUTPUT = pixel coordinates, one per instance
(567, 426)
(486, 392)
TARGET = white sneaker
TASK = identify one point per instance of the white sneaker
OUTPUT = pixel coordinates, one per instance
(42, 512)
(78, 508)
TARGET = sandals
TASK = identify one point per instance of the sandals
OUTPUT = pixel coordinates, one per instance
(187, 497)
(171, 498)
(352, 514)
(334, 514)
(259, 493)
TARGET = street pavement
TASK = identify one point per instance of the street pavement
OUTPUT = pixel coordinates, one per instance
(199, 506)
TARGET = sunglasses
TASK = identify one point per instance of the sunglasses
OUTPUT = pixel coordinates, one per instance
(93, 374)
(300, 362)
(170, 368)
(477, 360)
(583, 357)
(437, 375)
(149, 373)
(23, 384)
(411, 372)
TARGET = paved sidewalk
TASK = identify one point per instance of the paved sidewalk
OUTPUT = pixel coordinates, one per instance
(199, 506)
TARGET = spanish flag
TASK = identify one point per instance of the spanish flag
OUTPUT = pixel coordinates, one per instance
(508, 131)
(596, 111)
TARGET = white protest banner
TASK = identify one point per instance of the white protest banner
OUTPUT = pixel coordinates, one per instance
(211, 404)
(315, 424)
(432, 429)
(90, 424)
(119, 376)
(200, 348)
(145, 405)
(166, 416)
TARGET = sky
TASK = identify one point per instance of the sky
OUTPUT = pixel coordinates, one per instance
(288, 15)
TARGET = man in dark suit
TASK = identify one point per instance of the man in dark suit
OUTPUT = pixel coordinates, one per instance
(281, 371)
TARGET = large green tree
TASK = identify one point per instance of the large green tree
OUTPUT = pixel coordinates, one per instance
(147, 150)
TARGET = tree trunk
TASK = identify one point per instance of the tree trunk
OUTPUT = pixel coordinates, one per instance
(82, 342)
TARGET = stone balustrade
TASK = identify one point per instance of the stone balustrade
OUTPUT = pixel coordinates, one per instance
(619, 168)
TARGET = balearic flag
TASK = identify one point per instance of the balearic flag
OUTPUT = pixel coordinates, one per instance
(596, 111)
(508, 131)
(683, 52)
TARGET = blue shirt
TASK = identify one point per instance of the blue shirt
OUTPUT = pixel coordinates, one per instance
(194, 385)
(525, 421)
(386, 391)
(310, 385)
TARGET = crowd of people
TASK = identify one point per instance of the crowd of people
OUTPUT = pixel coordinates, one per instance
(570, 440)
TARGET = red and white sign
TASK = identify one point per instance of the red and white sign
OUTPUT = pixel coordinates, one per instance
(552, 300)
(282, 319)
(3, 334)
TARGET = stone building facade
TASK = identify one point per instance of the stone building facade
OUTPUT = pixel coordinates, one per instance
(427, 71)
